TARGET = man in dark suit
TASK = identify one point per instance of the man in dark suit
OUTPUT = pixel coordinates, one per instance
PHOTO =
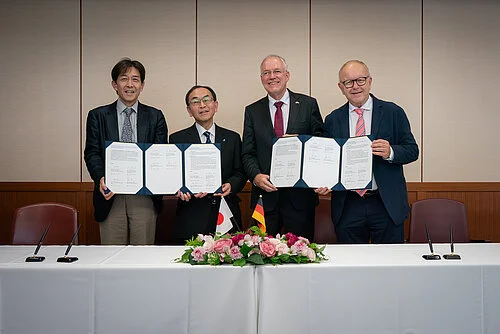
(123, 218)
(378, 214)
(198, 213)
(280, 112)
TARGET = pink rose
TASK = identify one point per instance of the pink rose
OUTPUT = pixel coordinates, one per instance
(310, 253)
(282, 248)
(223, 245)
(274, 241)
(305, 240)
(299, 247)
(198, 253)
(208, 245)
(267, 248)
(235, 253)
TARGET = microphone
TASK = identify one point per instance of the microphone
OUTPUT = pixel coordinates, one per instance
(452, 256)
(36, 258)
(430, 256)
(67, 258)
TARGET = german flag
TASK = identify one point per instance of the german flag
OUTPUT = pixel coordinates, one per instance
(258, 215)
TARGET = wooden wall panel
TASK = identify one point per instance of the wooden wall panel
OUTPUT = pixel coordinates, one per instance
(482, 200)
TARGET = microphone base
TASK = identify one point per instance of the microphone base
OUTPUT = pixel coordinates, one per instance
(452, 257)
(67, 259)
(431, 257)
(35, 258)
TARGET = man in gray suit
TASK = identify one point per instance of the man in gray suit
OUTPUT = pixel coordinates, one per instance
(126, 119)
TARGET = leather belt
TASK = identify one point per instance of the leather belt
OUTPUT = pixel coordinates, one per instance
(371, 193)
(368, 194)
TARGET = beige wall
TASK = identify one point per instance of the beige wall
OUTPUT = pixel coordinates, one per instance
(435, 59)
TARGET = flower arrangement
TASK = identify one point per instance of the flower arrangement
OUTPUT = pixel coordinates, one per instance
(253, 247)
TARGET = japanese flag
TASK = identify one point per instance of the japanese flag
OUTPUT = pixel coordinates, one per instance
(224, 223)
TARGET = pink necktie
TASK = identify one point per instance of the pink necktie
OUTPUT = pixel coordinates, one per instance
(360, 131)
(278, 120)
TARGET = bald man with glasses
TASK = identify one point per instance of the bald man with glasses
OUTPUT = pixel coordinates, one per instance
(377, 214)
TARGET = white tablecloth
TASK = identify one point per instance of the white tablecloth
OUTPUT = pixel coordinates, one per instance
(361, 289)
(382, 289)
(122, 290)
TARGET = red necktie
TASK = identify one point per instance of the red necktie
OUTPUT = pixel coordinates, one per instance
(360, 131)
(278, 120)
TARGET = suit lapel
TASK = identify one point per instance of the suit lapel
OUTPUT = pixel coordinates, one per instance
(112, 123)
(193, 134)
(265, 117)
(293, 111)
(344, 121)
(376, 116)
(142, 124)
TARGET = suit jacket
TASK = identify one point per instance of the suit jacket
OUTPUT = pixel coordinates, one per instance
(102, 126)
(199, 215)
(389, 122)
(258, 134)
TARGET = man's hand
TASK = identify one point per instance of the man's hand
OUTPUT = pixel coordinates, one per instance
(104, 190)
(262, 181)
(381, 147)
(322, 191)
(187, 196)
(226, 190)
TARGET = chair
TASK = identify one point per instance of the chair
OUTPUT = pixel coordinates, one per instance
(165, 221)
(438, 214)
(30, 222)
(324, 231)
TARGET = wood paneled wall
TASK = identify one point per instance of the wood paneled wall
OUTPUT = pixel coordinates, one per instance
(482, 200)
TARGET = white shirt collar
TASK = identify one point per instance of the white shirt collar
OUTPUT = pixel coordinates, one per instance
(285, 99)
(201, 130)
(367, 106)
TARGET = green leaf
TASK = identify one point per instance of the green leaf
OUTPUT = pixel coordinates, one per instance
(285, 258)
(240, 262)
(245, 249)
(255, 259)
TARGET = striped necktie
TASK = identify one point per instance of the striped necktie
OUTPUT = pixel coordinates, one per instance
(207, 134)
(360, 131)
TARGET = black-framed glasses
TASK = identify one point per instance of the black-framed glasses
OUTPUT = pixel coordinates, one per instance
(205, 99)
(361, 81)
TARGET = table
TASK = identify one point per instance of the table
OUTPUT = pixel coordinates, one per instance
(375, 289)
(381, 289)
(133, 289)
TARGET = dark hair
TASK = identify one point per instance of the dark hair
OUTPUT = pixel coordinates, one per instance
(196, 87)
(123, 65)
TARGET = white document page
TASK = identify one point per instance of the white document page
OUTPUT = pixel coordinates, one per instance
(285, 162)
(356, 163)
(321, 162)
(123, 168)
(202, 168)
(163, 168)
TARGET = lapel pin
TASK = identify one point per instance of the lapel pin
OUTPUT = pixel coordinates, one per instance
(296, 102)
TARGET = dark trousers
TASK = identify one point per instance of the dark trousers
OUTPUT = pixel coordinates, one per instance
(285, 217)
(365, 219)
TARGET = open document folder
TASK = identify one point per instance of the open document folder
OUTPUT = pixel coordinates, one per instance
(147, 169)
(311, 162)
